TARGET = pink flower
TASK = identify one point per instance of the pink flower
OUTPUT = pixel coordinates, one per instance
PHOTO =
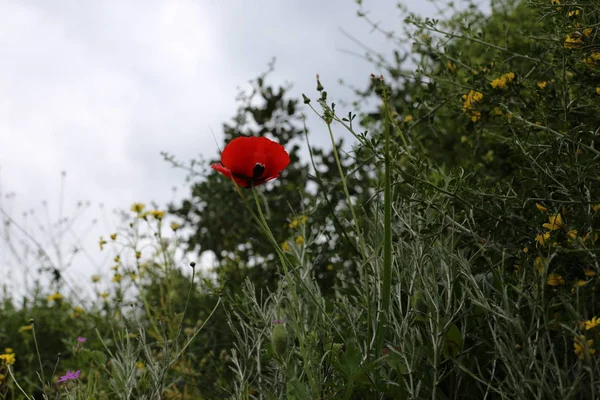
(81, 339)
(69, 376)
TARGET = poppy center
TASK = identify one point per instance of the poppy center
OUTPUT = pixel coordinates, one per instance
(258, 170)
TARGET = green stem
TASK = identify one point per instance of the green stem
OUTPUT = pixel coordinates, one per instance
(37, 350)
(387, 241)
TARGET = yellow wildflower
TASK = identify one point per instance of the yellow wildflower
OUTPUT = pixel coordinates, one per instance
(137, 207)
(589, 272)
(471, 99)
(572, 42)
(592, 323)
(408, 118)
(95, 278)
(55, 297)
(117, 278)
(117, 258)
(113, 236)
(587, 32)
(542, 85)
(598, 90)
(574, 13)
(2, 378)
(475, 116)
(300, 240)
(104, 295)
(596, 207)
(139, 365)
(330, 267)
(555, 2)
(133, 276)
(498, 83)
(285, 247)
(580, 343)
(554, 222)
(102, 242)
(451, 66)
(8, 358)
(581, 283)
(497, 111)
(175, 226)
(541, 207)
(78, 309)
(115, 267)
(525, 249)
(572, 234)
(555, 279)
(157, 214)
(25, 328)
(8, 350)
(542, 238)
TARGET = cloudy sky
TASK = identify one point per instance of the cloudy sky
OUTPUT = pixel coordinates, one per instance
(99, 88)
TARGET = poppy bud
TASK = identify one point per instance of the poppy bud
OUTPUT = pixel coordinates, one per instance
(306, 99)
(319, 86)
(280, 339)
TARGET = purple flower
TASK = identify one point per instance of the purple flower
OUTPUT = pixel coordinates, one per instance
(69, 376)
(81, 339)
(278, 321)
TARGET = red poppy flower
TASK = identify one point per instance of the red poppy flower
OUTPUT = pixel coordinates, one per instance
(252, 161)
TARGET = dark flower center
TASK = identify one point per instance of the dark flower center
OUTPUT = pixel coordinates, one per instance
(259, 169)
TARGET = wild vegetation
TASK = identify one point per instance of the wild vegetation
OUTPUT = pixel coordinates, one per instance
(450, 251)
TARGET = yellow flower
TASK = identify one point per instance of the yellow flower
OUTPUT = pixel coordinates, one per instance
(572, 42)
(555, 2)
(498, 83)
(471, 99)
(598, 90)
(104, 295)
(139, 365)
(555, 279)
(587, 32)
(475, 116)
(330, 267)
(517, 268)
(596, 207)
(95, 278)
(55, 297)
(8, 359)
(593, 59)
(117, 259)
(572, 234)
(555, 222)
(138, 255)
(25, 328)
(8, 350)
(589, 272)
(497, 111)
(117, 278)
(157, 214)
(102, 242)
(133, 276)
(408, 118)
(580, 343)
(592, 323)
(451, 66)
(78, 309)
(285, 247)
(542, 85)
(113, 236)
(115, 267)
(542, 238)
(300, 240)
(581, 283)
(541, 207)
(525, 249)
(2, 378)
(574, 13)
(137, 207)
(175, 226)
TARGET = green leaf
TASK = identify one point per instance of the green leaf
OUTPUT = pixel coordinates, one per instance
(296, 390)
(453, 342)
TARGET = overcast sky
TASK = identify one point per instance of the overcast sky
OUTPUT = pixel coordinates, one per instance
(99, 88)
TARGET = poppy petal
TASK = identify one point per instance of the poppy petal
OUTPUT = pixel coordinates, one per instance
(252, 160)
